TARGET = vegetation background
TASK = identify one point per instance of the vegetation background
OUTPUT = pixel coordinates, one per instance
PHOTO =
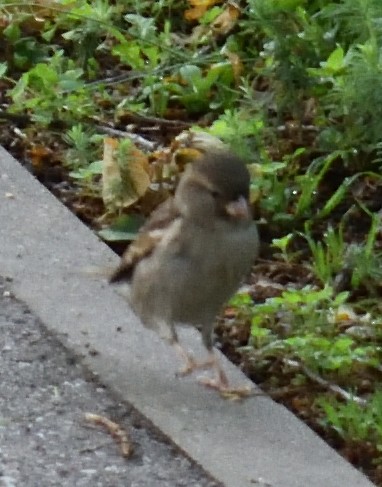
(106, 101)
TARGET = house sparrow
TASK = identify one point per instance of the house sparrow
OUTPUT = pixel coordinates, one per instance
(191, 255)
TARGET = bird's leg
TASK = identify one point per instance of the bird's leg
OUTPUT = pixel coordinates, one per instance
(221, 383)
(187, 359)
(190, 363)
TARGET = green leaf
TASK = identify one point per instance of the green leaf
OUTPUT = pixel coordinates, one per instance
(241, 300)
(124, 228)
(337, 196)
(210, 15)
(110, 235)
(192, 74)
(130, 54)
(142, 27)
(12, 32)
(93, 169)
(70, 84)
(259, 332)
(3, 69)
(335, 61)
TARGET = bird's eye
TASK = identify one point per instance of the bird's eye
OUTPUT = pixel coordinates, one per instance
(215, 194)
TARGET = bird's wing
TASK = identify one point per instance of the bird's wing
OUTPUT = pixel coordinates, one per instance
(150, 235)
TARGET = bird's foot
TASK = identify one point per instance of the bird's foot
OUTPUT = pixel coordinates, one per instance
(221, 384)
(191, 365)
(225, 390)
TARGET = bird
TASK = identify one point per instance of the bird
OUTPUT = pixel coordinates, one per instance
(191, 255)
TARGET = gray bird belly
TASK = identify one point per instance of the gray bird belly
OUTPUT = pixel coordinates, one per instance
(190, 286)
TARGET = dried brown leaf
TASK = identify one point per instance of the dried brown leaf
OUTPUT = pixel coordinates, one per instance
(201, 141)
(199, 8)
(38, 155)
(226, 21)
(125, 176)
(237, 65)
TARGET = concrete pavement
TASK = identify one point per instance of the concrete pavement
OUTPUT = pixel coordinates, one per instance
(45, 440)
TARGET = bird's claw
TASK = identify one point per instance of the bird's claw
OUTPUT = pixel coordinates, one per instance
(187, 369)
(191, 365)
(227, 392)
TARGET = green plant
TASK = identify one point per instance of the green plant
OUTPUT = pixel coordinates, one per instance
(84, 148)
(364, 260)
(308, 183)
(243, 131)
(328, 255)
(292, 40)
(282, 244)
(355, 422)
(341, 354)
(48, 91)
(332, 255)
(93, 21)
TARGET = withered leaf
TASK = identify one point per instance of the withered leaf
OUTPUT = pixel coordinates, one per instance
(125, 176)
(226, 21)
(199, 8)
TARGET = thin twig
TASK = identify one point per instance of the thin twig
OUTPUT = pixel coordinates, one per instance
(137, 139)
(305, 128)
(139, 118)
(115, 430)
(324, 383)
(119, 78)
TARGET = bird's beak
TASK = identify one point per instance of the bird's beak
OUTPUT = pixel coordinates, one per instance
(239, 209)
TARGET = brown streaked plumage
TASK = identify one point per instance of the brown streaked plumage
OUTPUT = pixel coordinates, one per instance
(148, 238)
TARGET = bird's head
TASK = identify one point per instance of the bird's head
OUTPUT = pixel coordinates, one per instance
(217, 185)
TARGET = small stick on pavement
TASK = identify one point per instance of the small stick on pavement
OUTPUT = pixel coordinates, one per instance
(116, 431)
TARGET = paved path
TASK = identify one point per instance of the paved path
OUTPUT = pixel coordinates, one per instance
(44, 440)
(43, 247)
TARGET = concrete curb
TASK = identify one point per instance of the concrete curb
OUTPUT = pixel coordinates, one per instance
(43, 248)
